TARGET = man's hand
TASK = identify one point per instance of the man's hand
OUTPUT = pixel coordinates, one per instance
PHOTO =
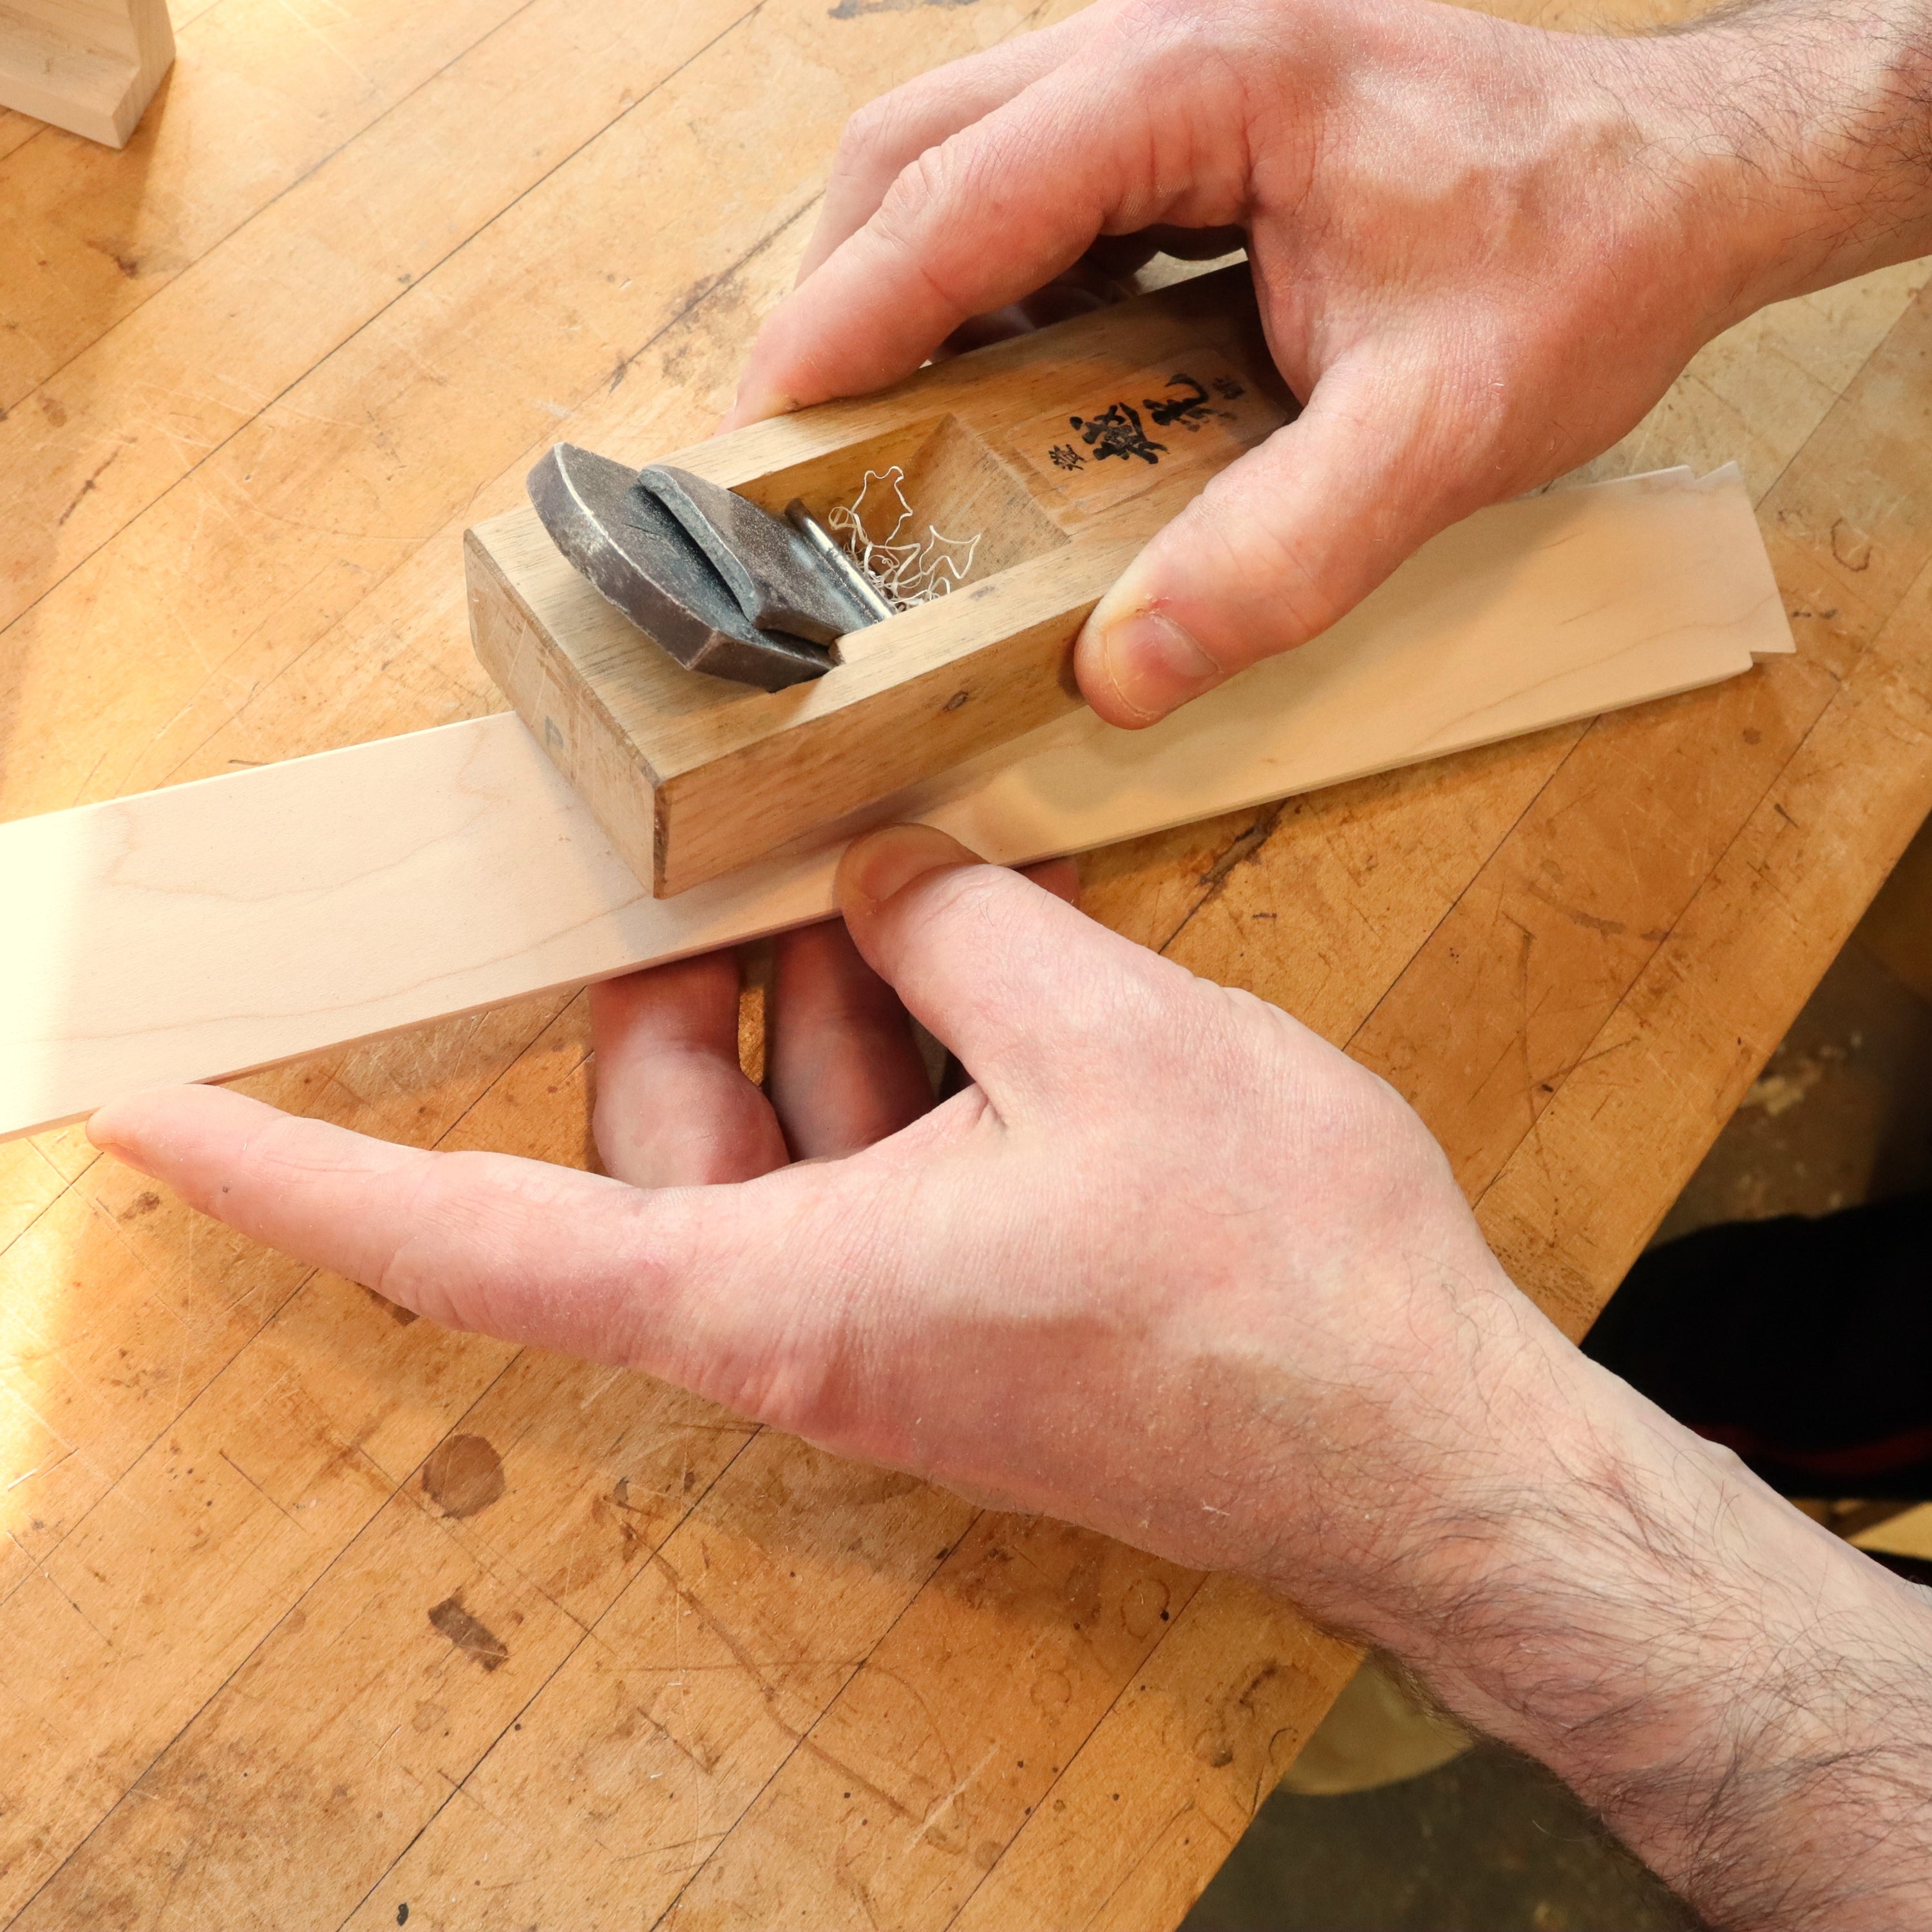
(1175, 1268)
(1160, 1200)
(1482, 252)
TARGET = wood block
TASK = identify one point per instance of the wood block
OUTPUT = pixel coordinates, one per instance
(89, 66)
(1063, 451)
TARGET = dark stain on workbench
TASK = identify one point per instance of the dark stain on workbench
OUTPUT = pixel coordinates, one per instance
(470, 1634)
(463, 1475)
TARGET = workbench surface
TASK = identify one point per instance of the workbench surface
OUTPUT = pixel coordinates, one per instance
(311, 1614)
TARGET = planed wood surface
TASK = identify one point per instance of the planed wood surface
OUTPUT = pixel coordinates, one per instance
(213, 929)
(277, 1650)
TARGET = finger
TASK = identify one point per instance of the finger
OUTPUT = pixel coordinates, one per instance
(887, 134)
(1081, 291)
(1060, 877)
(845, 1069)
(672, 1108)
(1025, 991)
(1279, 544)
(979, 221)
(512, 1247)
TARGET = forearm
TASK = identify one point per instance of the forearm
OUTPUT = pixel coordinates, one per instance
(1807, 124)
(1746, 1700)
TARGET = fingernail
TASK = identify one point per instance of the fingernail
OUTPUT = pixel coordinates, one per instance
(887, 861)
(1153, 664)
(754, 404)
(106, 1128)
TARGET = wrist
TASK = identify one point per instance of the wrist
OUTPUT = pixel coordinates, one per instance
(1736, 1691)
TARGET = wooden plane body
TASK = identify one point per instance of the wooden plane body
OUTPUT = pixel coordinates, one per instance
(1062, 451)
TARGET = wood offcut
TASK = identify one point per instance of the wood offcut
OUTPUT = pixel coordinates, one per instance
(89, 66)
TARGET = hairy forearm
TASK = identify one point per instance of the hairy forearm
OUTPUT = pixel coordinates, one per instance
(1808, 125)
(1747, 1701)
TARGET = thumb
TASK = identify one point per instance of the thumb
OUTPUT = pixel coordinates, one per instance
(1278, 546)
(1031, 994)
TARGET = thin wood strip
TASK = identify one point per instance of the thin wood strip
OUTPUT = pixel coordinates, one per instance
(196, 932)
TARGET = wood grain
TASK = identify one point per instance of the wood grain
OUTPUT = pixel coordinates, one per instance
(213, 929)
(273, 567)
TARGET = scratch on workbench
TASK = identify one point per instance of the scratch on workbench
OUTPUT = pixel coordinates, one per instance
(940, 1803)
(252, 1484)
(47, 1577)
(60, 520)
(39, 1469)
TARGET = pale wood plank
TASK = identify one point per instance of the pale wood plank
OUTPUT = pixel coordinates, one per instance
(326, 899)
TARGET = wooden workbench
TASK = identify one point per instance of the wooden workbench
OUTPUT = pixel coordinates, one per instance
(309, 1612)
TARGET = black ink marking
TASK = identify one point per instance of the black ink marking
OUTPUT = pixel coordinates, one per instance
(1190, 411)
(1117, 431)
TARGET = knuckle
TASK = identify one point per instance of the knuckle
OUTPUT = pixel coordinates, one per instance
(928, 179)
(873, 131)
(1180, 36)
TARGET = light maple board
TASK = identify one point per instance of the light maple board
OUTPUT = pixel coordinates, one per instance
(213, 928)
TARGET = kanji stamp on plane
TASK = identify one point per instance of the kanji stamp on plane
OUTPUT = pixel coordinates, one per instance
(1145, 428)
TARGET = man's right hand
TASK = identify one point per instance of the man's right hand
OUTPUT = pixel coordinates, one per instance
(1483, 251)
